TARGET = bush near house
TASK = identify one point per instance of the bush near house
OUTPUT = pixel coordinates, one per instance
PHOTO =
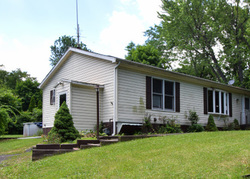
(194, 118)
(232, 126)
(196, 128)
(211, 126)
(170, 127)
(64, 126)
(236, 124)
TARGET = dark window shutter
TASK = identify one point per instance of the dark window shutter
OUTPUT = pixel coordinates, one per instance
(230, 105)
(177, 97)
(205, 100)
(51, 97)
(148, 92)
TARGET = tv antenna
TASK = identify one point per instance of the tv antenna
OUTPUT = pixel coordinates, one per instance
(78, 35)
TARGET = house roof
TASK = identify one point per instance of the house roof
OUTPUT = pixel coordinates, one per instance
(145, 68)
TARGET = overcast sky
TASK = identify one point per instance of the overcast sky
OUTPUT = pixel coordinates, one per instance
(29, 27)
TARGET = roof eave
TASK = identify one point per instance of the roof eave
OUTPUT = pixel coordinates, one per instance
(194, 79)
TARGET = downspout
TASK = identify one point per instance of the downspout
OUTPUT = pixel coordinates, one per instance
(115, 99)
(243, 114)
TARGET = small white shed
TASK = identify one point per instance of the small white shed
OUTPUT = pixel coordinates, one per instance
(31, 128)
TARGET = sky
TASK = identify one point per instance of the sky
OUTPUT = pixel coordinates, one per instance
(29, 27)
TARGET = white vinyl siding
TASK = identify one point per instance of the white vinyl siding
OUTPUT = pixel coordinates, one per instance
(132, 90)
(84, 107)
(85, 69)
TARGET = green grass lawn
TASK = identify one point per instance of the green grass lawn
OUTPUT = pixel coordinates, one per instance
(10, 136)
(14, 146)
(197, 155)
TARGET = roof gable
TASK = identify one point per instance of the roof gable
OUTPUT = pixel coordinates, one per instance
(66, 56)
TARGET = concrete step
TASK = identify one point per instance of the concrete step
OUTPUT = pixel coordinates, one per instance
(87, 146)
(108, 141)
(84, 142)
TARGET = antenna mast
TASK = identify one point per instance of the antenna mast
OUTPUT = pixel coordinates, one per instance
(78, 36)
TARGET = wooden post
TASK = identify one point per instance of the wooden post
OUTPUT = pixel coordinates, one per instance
(97, 111)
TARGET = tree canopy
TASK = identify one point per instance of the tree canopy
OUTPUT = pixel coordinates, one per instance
(18, 92)
(146, 54)
(208, 39)
(61, 45)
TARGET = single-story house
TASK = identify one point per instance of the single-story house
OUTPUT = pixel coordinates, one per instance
(129, 90)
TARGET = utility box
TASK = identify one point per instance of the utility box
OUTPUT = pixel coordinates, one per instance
(31, 128)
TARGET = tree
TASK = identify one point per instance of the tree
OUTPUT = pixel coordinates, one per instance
(146, 54)
(9, 108)
(209, 39)
(26, 89)
(3, 77)
(3, 120)
(10, 79)
(234, 39)
(61, 45)
(63, 125)
(32, 104)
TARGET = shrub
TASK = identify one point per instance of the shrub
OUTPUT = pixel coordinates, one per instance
(101, 127)
(196, 128)
(170, 127)
(230, 126)
(193, 117)
(236, 124)
(211, 126)
(53, 138)
(64, 126)
(147, 126)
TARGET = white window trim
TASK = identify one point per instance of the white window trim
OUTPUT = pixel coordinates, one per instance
(58, 100)
(226, 102)
(163, 95)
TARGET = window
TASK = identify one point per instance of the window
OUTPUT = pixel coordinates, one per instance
(163, 94)
(247, 103)
(62, 98)
(218, 102)
(210, 101)
(52, 97)
(169, 95)
(157, 94)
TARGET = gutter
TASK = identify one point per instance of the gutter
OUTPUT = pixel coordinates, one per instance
(115, 98)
